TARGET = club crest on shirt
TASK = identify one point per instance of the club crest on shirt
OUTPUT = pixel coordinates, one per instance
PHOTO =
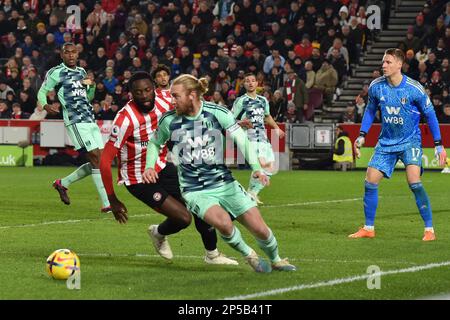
(157, 196)
(403, 100)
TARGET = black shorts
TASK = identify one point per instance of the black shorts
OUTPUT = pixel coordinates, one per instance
(154, 194)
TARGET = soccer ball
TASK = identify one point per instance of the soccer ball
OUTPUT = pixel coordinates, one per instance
(62, 264)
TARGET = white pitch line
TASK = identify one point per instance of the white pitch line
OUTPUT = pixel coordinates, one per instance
(334, 282)
(310, 203)
(63, 222)
(144, 215)
(300, 260)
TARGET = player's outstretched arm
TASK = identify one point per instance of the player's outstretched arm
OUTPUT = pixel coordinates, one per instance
(50, 82)
(117, 207)
(439, 150)
(366, 123)
(269, 120)
(248, 150)
(150, 175)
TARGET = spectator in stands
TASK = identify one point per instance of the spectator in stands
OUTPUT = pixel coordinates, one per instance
(111, 113)
(441, 51)
(310, 75)
(339, 64)
(291, 115)
(327, 41)
(435, 85)
(437, 104)
(278, 106)
(27, 102)
(304, 48)
(5, 113)
(39, 113)
(439, 29)
(410, 42)
(353, 39)
(276, 78)
(316, 59)
(412, 62)
(421, 31)
(4, 88)
(270, 61)
(350, 114)
(295, 91)
(445, 95)
(297, 33)
(218, 99)
(17, 112)
(445, 117)
(110, 81)
(432, 63)
(326, 80)
(422, 55)
(338, 45)
(445, 71)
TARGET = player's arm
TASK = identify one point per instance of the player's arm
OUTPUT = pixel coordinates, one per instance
(238, 111)
(428, 110)
(367, 121)
(121, 130)
(269, 120)
(90, 86)
(91, 92)
(50, 82)
(118, 208)
(158, 139)
(248, 149)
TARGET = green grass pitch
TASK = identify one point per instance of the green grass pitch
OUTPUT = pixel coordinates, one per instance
(310, 212)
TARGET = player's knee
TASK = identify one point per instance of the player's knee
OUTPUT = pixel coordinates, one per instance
(184, 220)
(261, 232)
(224, 227)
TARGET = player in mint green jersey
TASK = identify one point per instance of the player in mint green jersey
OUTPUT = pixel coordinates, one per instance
(74, 92)
(252, 112)
(196, 131)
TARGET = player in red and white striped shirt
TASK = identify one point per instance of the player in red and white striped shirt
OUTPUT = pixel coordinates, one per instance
(131, 131)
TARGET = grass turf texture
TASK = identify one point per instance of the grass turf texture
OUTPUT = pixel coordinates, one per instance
(119, 262)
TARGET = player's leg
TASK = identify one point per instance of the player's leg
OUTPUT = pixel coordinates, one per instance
(241, 205)
(94, 145)
(265, 238)
(206, 205)
(94, 159)
(267, 160)
(381, 165)
(168, 178)
(412, 158)
(220, 219)
(178, 218)
(61, 185)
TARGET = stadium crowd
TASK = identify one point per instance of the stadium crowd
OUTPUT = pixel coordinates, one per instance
(297, 49)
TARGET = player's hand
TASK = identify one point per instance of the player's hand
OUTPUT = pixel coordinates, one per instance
(280, 133)
(118, 208)
(245, 123)
(441, 155)
(87, 82)
(261, 177)
(150, 175)
(51, 109)
(359, 142)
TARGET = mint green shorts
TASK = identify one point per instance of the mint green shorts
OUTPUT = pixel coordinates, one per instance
(85, 135)
(232, 197)
(264, 150)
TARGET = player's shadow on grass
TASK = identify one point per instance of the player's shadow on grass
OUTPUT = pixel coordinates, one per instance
(163, 265)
